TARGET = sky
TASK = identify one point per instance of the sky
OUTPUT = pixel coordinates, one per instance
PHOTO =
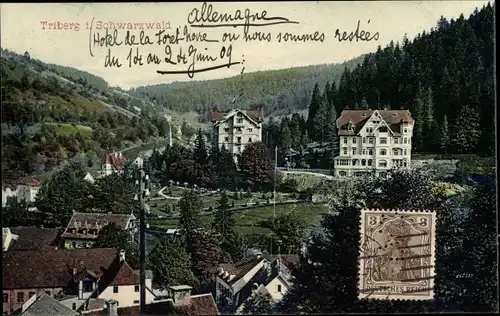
(25, 27)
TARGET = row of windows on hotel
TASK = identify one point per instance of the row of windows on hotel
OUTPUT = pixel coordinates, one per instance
(382, 140)
(239, 130)
(369, 151)
(369, 162)
(238, 140)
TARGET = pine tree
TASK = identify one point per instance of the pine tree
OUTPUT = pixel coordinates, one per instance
(190, 206)
(430, 127)
(333, 137)
(286, 136)
(467, 130)
(321, 122)
(224, 221)
(334, 96)
(364, 104)
(445, 136)
(314, 107)
(200, 154)
(418, 116)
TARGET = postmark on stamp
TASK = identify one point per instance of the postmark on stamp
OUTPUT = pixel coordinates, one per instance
(397, 255)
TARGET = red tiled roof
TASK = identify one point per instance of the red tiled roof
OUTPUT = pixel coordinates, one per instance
(393, 118)
(256, 114)
(34, 238)
(25, 181)
(52, 268)
(118, 162)
(216, 116)
(199, 305)
(288, 260)
(93, 221)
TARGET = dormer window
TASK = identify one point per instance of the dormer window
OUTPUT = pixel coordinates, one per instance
(73, 230)
(84, 231)
(351, 127)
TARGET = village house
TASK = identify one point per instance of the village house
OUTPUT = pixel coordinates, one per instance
(30, 238)
(180, 303)
(83, 228)
(21, 190)
(266, 274)
(88, 177)
(111, 163)
(44, 305)
(373, 141)
(80, 279)
(237, 128)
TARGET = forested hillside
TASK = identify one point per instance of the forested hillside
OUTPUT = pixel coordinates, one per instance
(47, 119)
(444, 77)
(281, 92)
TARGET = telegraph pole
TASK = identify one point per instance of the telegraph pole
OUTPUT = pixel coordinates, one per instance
(142, 194)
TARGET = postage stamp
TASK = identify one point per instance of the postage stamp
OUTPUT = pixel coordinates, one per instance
(397, 255)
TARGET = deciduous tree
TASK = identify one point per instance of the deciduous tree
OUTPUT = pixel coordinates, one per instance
(256, 164)
(171, 264)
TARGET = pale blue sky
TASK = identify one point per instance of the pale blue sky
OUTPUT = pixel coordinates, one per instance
(21, 30)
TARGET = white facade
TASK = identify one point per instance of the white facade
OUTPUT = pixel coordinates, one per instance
(7, 238)
(127, 295)
(235, 130)
(374, 148)
(22, 192)
(139, 162)
(277, 288)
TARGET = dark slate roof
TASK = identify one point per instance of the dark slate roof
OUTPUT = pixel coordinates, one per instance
(27, 269)
(47, 306)
(255, 114)
(240, 268)
(34, 238)
(93, 223)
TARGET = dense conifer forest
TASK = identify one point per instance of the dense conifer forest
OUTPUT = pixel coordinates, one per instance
(445, 77)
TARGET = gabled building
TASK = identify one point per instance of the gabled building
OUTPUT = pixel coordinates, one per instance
(44, 305)
(21, 190)
(83, 228)
(236, 283)
(237, 128)
(181, 303)
(373, 141)
(79, 279)
(111, 163)
(32, 238)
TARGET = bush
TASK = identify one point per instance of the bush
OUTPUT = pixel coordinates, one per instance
(289, 186)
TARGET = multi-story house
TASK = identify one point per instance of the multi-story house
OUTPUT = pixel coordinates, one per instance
(83, 228)
(79, 279)
(237, 128)
(22, 190)
(112, 163)
(373, 141)
(264, 274)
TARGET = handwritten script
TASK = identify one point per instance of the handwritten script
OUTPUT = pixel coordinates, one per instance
(189, 49)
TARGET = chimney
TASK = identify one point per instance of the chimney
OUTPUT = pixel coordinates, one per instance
(111, 308)
(121, 255)
(181, 294)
